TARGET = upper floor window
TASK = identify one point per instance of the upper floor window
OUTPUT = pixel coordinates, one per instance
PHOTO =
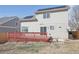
(46, 15)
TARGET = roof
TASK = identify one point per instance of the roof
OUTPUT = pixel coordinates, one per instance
(6, 19)
(53, 9)
(28, 19)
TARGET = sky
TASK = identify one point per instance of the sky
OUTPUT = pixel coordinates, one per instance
(20, 10)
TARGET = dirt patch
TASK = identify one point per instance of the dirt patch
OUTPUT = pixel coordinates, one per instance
(21, 47)
(71, 46)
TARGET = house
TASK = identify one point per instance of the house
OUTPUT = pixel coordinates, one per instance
(54, 21)
(29, 21)
(9, 24)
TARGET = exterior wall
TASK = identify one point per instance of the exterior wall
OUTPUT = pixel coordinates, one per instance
(32, 26)
(58, 19)
(3, 29)
(55, 17)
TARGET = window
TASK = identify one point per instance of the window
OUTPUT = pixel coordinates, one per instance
(43, 30)
(46, 15)
(51, 27)
(24, 29)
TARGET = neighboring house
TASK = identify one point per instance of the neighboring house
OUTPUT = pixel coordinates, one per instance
(9, 24)
(54, 21)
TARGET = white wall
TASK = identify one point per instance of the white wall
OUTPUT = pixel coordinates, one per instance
(32, 26)
(58, 19)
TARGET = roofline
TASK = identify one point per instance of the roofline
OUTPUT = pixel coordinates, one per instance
(53, 10)
(28, 20)
(7, 26)
(33, 19)
(27, 17)
(8, 20)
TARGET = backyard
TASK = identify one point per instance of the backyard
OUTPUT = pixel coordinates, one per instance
(71, 46)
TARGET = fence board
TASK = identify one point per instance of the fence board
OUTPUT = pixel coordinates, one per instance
(29, 36)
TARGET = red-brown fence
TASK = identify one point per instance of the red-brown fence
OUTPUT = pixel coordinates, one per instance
(25, 37)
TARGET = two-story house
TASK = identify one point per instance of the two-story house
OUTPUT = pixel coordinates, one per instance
(54, 21)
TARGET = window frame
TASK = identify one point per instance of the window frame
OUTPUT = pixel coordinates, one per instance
(46, 15)
(51, 27)
(24, 29)
(43, 30)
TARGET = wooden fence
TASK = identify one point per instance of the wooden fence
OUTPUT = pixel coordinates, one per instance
(24, 36)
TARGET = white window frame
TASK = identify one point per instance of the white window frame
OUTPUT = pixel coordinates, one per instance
(22, 29)
(46, 15)
(51, 27)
